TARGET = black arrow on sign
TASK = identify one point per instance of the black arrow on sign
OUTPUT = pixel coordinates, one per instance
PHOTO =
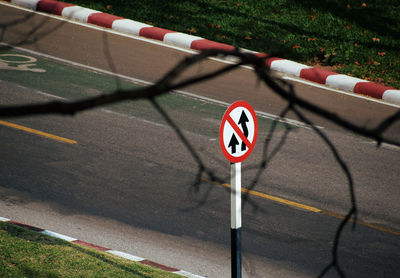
(242, 121)
(232, 143)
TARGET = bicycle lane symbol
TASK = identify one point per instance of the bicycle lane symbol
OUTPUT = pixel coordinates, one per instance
(19, 62)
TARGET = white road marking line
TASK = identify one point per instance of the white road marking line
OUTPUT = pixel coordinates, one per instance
(384, 145)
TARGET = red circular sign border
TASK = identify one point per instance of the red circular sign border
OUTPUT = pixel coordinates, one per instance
(231, 158)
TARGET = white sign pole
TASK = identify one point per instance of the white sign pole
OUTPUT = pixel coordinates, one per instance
(237, 138)
(236, 220)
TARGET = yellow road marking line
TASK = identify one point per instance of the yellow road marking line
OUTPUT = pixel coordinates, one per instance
(363, 223)
(277, 199)
(38, 132)
(313, 209)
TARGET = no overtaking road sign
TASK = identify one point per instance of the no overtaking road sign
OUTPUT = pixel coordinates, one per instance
(238, 131)
(237, 137)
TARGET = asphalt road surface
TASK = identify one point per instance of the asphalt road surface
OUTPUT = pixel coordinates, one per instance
(129, 183)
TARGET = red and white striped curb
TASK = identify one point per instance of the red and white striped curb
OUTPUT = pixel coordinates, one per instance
(318, 75)
(104, 249)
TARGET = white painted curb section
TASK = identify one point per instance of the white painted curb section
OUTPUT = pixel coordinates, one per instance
(78, 13)
(125, 255)
(187, 274)
(288, 67)
(180, 39)
(57, 235)
(30, 4)
(128, 26)
(391, 96)
(343, 82)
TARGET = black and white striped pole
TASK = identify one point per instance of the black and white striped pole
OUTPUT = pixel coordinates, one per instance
(237, 137)
(236, 220)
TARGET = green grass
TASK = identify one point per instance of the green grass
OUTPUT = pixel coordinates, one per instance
(358, 38)
(25, 253)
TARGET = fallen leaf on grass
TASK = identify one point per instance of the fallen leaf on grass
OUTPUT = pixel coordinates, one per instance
(373, 62)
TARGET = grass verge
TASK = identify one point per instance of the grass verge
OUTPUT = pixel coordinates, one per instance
(356, 37)
(25, 253)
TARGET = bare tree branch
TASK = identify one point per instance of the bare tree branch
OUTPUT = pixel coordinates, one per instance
(165, 85)
(353, 209)
(173, 80)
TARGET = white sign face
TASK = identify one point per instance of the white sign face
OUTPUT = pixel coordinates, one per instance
(238, 131)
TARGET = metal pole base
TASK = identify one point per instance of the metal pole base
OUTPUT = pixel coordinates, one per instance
(236, 253)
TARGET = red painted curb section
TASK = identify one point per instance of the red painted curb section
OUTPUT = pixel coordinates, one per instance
(154, 33)
(26, 226)
(316, 75)
(87, 244)
(371, 89)
(160, 266)
(103, 19)
(51, 6)
(204, 44)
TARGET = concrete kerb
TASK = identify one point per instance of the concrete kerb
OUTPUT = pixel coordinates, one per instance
(314, 74)
(124, 255)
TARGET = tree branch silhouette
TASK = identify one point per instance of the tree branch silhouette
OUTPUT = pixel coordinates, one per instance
(166, 84)
(353, 210)
(37, 31)
(173, 80)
